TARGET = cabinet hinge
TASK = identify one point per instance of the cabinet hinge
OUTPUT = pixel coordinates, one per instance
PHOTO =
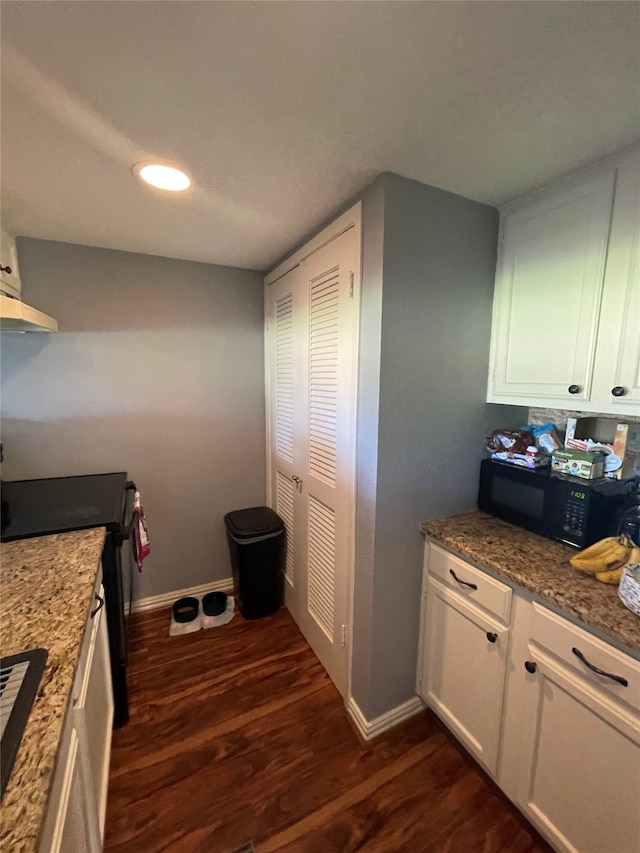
(351, 280)
(343, 636)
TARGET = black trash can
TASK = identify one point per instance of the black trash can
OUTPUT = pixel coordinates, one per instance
(256, 543)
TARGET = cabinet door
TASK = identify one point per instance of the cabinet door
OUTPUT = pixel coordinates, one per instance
(9, 274)
(463, 671)
(617, 374)
(581, 761)
(71, 831)
(313, 317)
(548, 291)
(94, 718)
(75, 830)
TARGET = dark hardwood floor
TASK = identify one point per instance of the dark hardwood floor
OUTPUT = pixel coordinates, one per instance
(237, 734)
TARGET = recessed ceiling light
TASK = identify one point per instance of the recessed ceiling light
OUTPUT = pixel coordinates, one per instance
(162, 177)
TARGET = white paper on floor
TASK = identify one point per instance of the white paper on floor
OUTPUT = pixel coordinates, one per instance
(202, 621)
(222, 618)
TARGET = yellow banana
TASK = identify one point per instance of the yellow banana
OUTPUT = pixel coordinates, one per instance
(610, 577)
(634, 556)
(604, 556)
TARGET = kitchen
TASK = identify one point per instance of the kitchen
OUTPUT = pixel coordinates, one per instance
(158, 368)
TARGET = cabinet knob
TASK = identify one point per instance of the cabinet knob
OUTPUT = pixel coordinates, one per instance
(574, 389)
(6, 269)
(618, 391)
(491, 636)
(530, 666)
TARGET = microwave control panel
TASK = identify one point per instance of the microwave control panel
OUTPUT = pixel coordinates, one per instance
(575, 513)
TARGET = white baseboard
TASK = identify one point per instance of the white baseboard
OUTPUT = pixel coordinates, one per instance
(372, 728)
(154, 601)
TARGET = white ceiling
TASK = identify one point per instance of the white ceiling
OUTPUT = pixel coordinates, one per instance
(282, 111)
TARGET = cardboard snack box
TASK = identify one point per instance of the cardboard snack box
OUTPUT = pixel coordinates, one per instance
(578, 463)
(620, 443)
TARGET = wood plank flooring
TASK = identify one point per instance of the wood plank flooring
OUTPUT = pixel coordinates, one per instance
(237, 734)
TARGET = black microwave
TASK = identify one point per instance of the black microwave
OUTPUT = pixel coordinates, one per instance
(568, 509)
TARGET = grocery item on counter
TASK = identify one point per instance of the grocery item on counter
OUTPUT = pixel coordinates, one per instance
(619, 442)
(509, 441)
(546, 438)
(607, 559)
(577, 463)
(629, 588)
(515, 446)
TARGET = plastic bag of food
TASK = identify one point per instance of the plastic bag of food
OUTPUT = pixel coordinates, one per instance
(509, 441)
(546, 438)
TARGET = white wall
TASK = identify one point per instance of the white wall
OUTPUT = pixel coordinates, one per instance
(157, 370)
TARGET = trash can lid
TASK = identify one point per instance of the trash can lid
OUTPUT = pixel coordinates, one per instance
(257, 521)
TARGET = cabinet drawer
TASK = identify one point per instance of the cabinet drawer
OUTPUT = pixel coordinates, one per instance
(470, 582)
(560, 637)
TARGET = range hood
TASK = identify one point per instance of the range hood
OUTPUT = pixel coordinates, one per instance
(17, 316)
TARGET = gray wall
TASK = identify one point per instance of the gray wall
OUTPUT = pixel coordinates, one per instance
(438, 266)
(157, 370)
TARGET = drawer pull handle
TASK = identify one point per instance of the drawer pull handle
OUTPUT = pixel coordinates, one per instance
(530, 666)
(100, 605)
(462, 583)
(491, 636)
(617, 678)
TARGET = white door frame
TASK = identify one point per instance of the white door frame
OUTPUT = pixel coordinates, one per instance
(352, 218)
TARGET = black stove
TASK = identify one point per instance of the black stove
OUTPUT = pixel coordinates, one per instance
(60, 504)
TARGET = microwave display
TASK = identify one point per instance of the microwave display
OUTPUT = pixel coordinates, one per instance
(521, 496)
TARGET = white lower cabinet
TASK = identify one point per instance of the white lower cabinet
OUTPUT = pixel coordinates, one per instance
(74, 824)
(94, 716)
(580, 738)
(463, 670)
(552, 713)
(77, 807)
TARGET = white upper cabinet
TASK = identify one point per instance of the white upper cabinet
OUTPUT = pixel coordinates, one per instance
(9, 272)
(566, 316)
(616, 378)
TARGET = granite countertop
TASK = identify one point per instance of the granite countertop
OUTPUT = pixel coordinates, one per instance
(540, 566)
(47, 592)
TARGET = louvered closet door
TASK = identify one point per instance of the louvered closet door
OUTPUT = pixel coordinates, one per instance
(313, 346)
(326, 537)
(288, 418)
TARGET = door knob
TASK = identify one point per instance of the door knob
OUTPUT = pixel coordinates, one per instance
(574, 389)
(491, 636)
(618, 391)
(530, 666)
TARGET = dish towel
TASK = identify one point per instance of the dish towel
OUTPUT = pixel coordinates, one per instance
(140, 534)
